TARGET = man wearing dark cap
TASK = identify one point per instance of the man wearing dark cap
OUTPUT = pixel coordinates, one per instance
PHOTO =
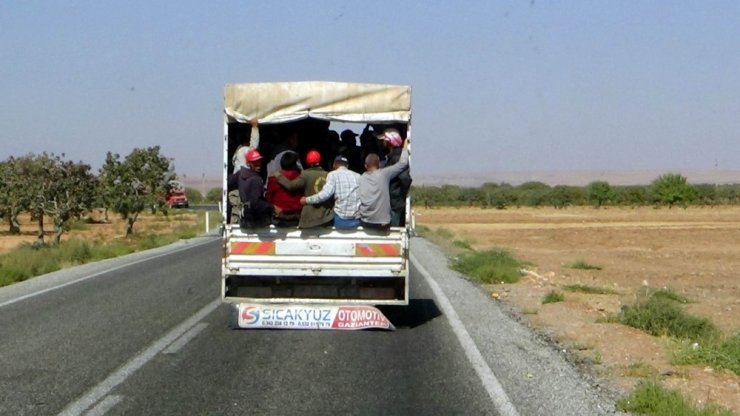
(350, 151)
(343, 184)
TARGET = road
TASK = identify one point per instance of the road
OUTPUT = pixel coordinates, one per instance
(147, 335)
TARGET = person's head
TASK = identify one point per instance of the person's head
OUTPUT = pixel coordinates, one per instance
(254, 160)
(391, 137)
(372, 162)
(348, 138)
(333, 136)
(289, 161)
(313, 158)
(340, 161)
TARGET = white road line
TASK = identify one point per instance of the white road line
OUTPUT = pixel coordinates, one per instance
(125, 371)
(94, 275)
(106, 404)
(185, 338)
(494, 388)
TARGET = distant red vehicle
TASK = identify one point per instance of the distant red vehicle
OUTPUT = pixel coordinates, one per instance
(176, 197)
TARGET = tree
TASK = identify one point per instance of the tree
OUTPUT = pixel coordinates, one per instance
(138, 182)
(600, 193)
(10, 203)
(532, 193)
(214, 195)
(672, 189)
(65, 191)
(16, 189)
(561, 196)
(194, 195)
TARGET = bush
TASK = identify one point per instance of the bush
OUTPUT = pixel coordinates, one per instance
(553, 297)
(672, 189)
(194, 196)
(214, 195)
(650, 398)
(715, 353)
(599, 193)
(661, 316)
(491, 266)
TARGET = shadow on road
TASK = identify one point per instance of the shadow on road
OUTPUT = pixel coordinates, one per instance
(418, 312)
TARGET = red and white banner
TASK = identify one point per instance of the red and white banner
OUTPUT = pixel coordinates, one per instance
(311, 317)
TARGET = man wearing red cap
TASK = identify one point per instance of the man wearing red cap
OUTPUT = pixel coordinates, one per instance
(256, 212)
(311, 180)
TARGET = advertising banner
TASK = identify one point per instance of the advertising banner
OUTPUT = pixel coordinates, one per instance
(325, 317)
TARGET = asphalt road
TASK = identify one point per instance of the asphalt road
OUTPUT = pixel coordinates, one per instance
(146, 335)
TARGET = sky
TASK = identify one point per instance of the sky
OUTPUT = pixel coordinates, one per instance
(496, 85)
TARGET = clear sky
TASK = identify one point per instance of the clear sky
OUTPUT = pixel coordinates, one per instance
(497, 85)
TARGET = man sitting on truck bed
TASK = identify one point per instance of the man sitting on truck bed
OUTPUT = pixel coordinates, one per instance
(289, 202)
(375, 203)
(239, 160)
(256, 212)
(311, 180)
(343, 184)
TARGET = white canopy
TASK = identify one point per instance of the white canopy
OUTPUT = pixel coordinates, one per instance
(279, 102)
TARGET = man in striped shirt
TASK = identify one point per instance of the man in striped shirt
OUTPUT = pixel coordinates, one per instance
(343, 184)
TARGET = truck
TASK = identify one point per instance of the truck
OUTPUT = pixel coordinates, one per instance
(320, 277)
(176, 196)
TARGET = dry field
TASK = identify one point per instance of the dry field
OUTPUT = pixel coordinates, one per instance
(694, 251)
(97, 229)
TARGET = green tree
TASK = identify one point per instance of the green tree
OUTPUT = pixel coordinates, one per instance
(562, 196)
(214, 195)
(672, 189)
(14, 196)
(194, 195)
(136, 183)
(600, 193)
(66, 190)
(631, 195)
(532, 194)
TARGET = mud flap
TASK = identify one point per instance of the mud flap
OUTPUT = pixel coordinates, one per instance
(322, 317)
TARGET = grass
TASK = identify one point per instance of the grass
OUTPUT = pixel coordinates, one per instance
(639, 369)
(444, 233)
(463, 244)
(717, 353)
(553, 297)
(582, 265)
(490, 266)
(28, 260)
(422, 230)
(697, 341)
(661, 316)
(591, 290)
(666, 293)
(652, 399)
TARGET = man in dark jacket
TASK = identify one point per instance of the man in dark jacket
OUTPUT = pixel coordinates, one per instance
(256, 212)
(400, 185)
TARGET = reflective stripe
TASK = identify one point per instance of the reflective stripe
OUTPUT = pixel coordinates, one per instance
(378, 250)
(260, 248)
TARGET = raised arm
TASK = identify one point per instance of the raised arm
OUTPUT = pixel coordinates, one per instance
(390, 172)
(254, 135)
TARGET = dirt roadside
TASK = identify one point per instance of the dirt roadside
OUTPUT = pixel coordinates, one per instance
(694, 251)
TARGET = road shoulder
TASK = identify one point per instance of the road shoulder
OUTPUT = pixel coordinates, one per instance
(534, 375)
